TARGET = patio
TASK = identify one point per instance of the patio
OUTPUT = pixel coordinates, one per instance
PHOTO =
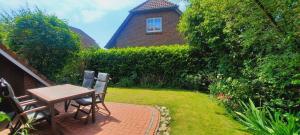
(124, 119)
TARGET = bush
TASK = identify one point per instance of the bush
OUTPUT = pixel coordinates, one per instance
(44, 40)
(199, 81)
(72, 72)
(1, 34)
(231, 91)
(296, 80)
(250, 46)
(162, 66)
(125, 82)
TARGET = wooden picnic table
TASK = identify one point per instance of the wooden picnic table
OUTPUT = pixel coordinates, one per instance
(59, 93)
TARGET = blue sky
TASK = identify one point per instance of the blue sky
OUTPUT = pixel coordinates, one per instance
(98, 18)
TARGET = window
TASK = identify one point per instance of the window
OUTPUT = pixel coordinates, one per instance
(154, 25)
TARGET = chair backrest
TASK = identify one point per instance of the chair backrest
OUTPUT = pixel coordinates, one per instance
(101, 83)
(8, 93)
(88, 79)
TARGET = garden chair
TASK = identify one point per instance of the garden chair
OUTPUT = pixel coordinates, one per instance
(100, 91)
(11, 93)
(88, 80)
(5, 101)
(22, 116)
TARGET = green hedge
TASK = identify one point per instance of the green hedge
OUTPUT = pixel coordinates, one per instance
(164, 66)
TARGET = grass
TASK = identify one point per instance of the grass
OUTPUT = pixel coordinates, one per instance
(192, 113)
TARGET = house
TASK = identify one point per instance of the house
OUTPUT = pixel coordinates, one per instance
(86, 40)
(153, 22)
(18, 73)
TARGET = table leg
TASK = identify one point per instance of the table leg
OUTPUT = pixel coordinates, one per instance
(67, 104)
(52, 115)
(93, 106)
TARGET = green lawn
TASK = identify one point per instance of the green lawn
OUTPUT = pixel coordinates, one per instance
(192, 113)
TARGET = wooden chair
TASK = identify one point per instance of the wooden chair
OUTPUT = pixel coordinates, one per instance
(7, 90)
(88, 81)
(35, 112)
(100, 91)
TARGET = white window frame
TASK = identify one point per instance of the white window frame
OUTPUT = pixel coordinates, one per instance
(154, 31)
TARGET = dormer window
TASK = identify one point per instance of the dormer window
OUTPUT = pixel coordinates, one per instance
(154, 25)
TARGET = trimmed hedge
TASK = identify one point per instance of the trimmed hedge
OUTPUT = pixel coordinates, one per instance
(164, 66)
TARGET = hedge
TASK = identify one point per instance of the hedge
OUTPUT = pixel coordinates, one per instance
(164, 66)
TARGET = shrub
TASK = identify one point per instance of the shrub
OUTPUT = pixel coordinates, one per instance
(231, 91)
(142, 66)
(296, 80)
(72, 72)
(44, 40)
(195, 81)
(251, 46)
(278, 70)
(125, 82)
(1, 33)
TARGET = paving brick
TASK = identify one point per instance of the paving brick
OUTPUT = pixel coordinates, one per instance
(125, 119)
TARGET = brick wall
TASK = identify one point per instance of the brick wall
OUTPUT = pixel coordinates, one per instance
(134, 34)
(30, 82)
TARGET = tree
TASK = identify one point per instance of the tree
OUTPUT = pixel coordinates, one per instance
(256, 42)
(1, 34)
(246, 29)
(44, 40)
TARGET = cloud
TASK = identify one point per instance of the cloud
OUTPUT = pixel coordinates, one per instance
(86, 11)
(91, 15)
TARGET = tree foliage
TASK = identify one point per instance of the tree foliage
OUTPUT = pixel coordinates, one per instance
(242, 29)
(44, 40)
(1, 34)
(255, 43)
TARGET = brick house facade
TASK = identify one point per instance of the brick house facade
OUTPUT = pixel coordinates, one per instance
(134, 30)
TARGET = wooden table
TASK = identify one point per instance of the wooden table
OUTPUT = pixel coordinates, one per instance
(59, 93)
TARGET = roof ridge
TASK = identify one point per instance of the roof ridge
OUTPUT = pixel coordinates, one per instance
(139, 5)
(154, 4)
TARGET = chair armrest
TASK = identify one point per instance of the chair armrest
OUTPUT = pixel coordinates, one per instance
(22, 97)
(101, 94)
(34, 110)
(28, 102)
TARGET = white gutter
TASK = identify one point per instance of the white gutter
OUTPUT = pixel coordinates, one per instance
(17, 63)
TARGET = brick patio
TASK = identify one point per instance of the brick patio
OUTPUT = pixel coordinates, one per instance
(125, 119)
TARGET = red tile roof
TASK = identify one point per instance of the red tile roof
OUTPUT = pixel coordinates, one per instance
(154, 4)
(86, 40)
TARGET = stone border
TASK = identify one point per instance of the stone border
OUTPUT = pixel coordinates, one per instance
(165, 120)
(151, 123)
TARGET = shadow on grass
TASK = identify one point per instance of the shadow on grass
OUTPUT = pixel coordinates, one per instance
(204, 91)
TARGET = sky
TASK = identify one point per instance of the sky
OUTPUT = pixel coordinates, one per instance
(98, 18)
